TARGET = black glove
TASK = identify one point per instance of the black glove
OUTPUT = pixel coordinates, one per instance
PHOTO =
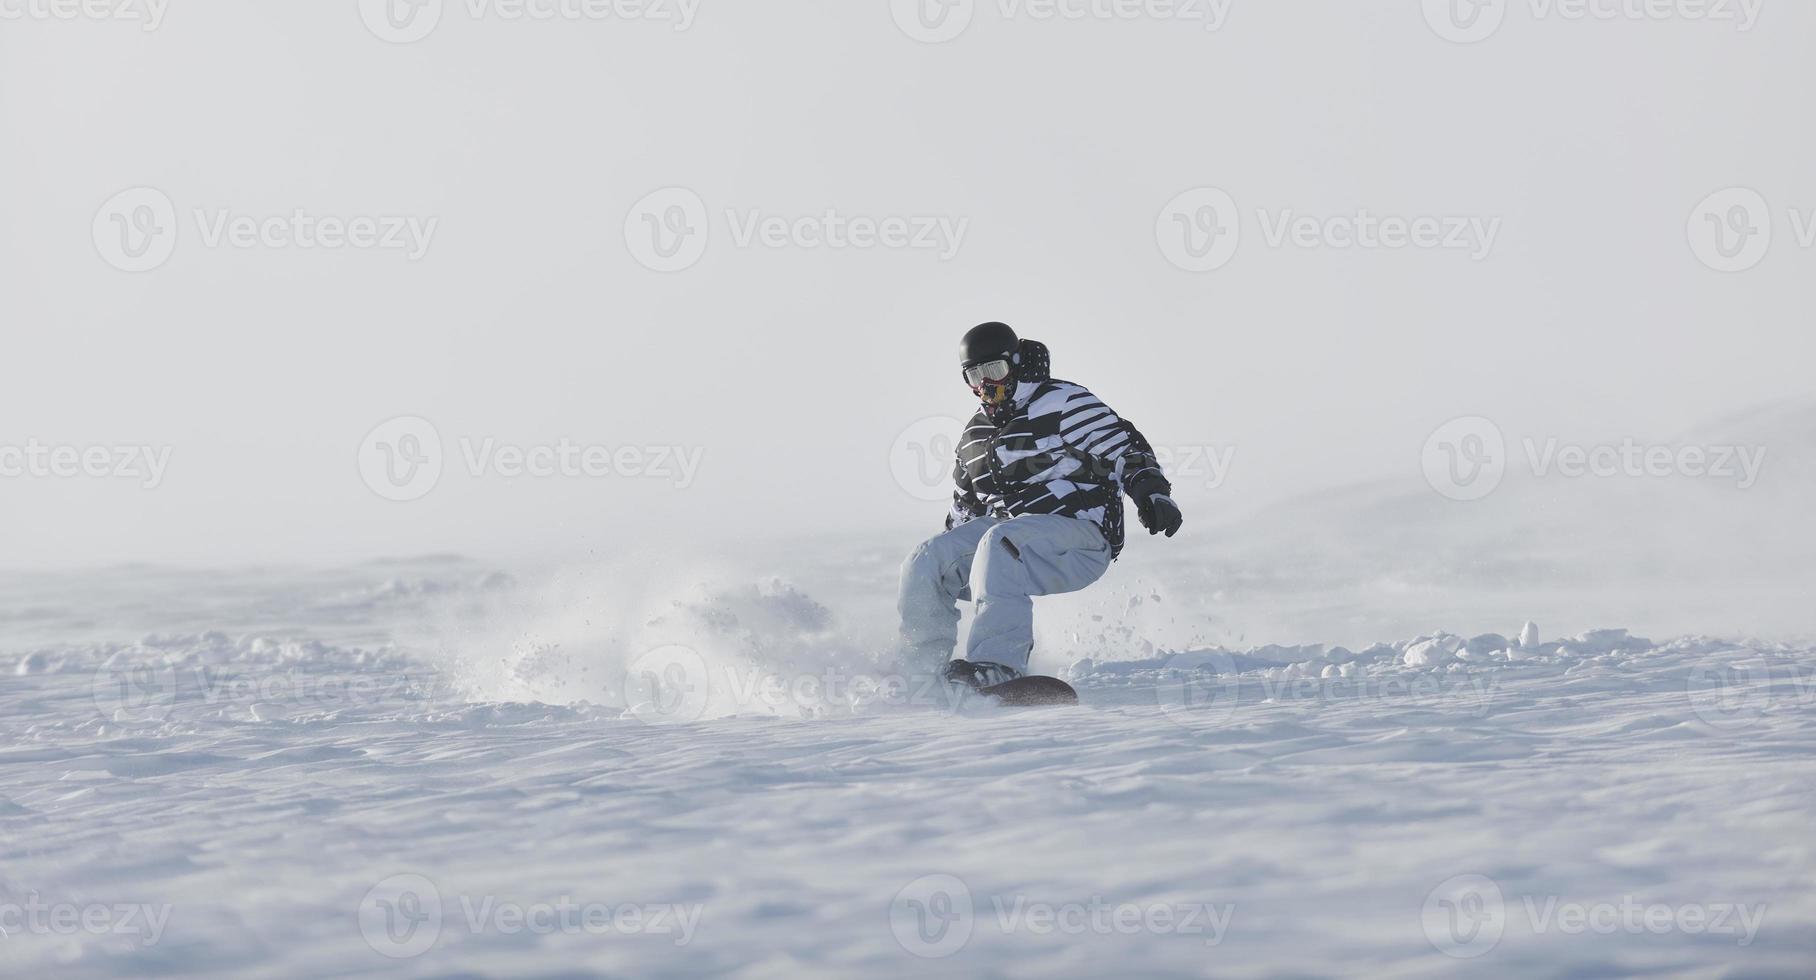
(1156, 510)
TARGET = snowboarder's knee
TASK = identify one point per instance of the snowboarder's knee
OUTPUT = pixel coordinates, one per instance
(923, 561)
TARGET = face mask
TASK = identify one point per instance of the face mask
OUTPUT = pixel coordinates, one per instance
(991, 381)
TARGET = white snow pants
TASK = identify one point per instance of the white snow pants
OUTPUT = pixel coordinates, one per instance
(1005, 563)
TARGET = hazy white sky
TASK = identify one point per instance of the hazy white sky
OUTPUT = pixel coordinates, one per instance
(517, 152)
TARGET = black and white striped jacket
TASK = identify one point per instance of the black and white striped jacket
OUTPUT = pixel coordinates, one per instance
(1059, 451)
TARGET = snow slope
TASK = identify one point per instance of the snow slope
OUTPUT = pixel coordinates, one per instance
(424, 768)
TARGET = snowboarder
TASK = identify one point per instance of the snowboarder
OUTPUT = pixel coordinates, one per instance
(1041, 471)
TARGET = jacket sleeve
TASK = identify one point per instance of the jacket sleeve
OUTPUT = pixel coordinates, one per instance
(965, 503)
(1118, 449)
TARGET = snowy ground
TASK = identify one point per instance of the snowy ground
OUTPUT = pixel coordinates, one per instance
(427, 768)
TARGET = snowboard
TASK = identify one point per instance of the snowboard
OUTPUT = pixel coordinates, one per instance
(1032, 691)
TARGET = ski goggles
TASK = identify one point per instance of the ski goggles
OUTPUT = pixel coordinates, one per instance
(977, 374)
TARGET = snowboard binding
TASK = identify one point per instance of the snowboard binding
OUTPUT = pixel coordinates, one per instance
(978, 675)
(1007, 685)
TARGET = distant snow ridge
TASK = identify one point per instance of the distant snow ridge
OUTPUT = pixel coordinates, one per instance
(1439, 649)
(767, 649)
(168, 683)
(211, 648)
(1701, 685)
(415, 589)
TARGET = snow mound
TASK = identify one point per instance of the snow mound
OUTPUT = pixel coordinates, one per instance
(686, 647)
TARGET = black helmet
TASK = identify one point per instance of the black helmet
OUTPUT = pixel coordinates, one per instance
(989, 358)
(988, 342)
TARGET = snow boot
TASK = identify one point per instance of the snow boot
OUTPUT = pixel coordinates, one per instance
(979, 675)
